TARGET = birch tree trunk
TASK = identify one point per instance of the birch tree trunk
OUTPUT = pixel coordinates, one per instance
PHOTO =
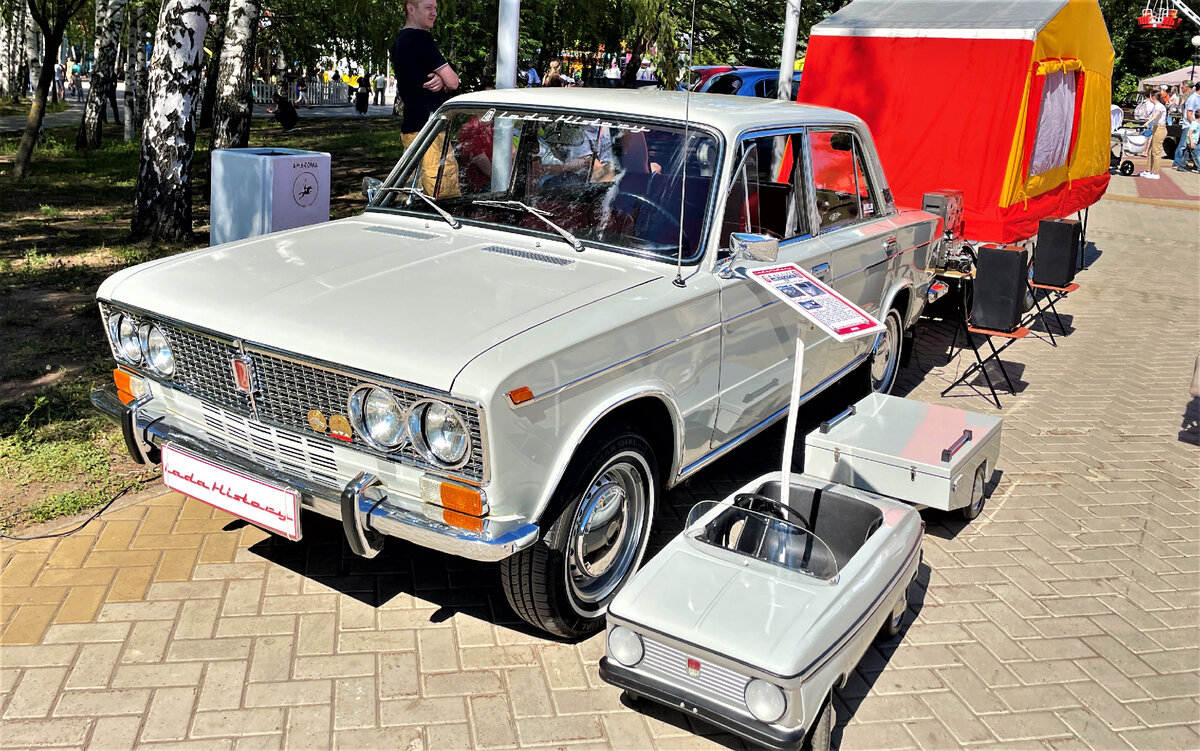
(109, 14)
(163, 206)
(12, 48)
(142, 80)
(33, 124)
(132, 44)
(234, 106)
(33, 52)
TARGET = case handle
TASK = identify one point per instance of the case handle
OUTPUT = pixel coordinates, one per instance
(825, 426)
(948, 454)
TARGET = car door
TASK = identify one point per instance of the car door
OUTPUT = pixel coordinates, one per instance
(853, 221)
(758, 331)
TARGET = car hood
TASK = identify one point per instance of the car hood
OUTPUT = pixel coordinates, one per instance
(374, 293)
(756, 614)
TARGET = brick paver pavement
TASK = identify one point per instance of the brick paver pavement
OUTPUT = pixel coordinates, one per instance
(1067, 616)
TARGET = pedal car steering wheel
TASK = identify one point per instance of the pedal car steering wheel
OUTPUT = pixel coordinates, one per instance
(772, 508)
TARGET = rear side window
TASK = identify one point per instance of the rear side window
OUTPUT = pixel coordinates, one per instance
(844, 194)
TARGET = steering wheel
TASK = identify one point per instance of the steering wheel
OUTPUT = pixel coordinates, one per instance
(674, 220)
(772, 508)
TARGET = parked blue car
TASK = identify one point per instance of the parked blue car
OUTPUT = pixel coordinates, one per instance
(760, 82)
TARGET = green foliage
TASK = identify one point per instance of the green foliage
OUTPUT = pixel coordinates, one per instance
(1142, 53)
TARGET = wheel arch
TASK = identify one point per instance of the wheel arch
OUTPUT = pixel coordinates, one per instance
(900, 296)
(652, 410)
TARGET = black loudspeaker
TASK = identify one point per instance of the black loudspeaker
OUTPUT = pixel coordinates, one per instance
(1000, 276)
(1057, 250)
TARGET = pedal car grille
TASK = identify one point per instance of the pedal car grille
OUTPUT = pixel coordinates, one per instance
(287, 388)
(713, 680)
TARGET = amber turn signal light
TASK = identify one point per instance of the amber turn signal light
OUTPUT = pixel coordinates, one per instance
(520, 396)
(462, 521)
(124, 388)
(463, 500)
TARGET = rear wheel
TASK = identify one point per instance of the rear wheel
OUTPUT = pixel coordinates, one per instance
(978, 494)
(1126, 168)
(885, 360)
(563, 583)
(896, 619)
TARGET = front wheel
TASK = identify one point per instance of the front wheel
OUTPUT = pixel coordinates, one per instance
(563, 583)
(820, 737)
(885, 360)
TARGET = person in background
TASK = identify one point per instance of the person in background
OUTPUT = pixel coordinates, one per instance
(531, 75)
(554, 76)
(302, 91)
(423, 80)
(379, 82)
(60, 75)
(614, 71)
(645, 72)
(285, 113)
(1189, 116)
(362, 96)
(1156, 124)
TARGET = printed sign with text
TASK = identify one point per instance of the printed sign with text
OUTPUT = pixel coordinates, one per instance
(812, 298)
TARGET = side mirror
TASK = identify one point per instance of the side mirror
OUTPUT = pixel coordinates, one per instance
(370, 188)
(746, 246)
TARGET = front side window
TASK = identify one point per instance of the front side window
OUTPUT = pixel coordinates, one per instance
(608, 181)
(842, 184)
(767, 195)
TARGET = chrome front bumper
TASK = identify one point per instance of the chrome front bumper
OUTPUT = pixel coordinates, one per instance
(146, 428)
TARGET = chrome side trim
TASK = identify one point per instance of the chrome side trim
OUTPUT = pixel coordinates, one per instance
(627, 361)
(712, 456)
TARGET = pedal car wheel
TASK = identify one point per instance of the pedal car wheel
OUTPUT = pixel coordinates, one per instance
(885, 360)
(978, 494)
(896, 619)
(1126, 168)
(564, 582)
(819, 738)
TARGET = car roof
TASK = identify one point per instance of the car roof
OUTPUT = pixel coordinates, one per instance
(732, 115)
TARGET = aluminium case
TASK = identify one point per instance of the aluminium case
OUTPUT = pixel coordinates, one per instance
(925, 454)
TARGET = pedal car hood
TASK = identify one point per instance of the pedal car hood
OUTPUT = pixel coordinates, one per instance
(757, 614)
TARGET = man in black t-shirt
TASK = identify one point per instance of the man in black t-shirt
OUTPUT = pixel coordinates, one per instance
(423, 81)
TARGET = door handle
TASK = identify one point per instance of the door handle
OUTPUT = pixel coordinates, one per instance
(891, 246)
(821, 271)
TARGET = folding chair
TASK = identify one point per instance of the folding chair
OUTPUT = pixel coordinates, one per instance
(980, 364)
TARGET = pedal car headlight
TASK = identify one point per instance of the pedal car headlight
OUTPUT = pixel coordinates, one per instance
(625, 646)
(765, 700)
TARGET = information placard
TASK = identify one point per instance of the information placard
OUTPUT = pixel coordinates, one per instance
(816, 301)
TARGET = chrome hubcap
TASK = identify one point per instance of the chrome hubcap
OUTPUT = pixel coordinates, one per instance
(606, 533)
(977, 490)
(886, 357)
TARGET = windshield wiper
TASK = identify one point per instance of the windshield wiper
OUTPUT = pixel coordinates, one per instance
(543, 215)
(454, 223)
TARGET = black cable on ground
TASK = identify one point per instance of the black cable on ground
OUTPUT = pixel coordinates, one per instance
(82, 524)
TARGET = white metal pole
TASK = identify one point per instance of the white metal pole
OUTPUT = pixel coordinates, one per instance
(787, 61)
(507, 32)
(789, 438)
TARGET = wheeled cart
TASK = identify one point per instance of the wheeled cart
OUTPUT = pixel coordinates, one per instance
(924, 454)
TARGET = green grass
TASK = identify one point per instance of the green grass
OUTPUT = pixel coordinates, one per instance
(8, 109)
(62, 232)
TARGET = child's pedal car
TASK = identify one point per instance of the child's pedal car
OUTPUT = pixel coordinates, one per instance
(756, 611)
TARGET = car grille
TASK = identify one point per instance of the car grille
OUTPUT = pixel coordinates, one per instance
(273, 447)
(713, 680)
(286, 389)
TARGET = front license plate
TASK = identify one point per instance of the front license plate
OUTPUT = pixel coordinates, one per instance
(268, 506)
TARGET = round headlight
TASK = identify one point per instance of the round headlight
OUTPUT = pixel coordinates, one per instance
(625, 646)
(382, 418)
(443, 433)
(128, 344)
(765, 700)
(157, 351)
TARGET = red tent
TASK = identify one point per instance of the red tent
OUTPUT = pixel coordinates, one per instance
(1005, 100)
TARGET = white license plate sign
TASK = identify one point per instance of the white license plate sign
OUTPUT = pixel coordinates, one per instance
(270, 507)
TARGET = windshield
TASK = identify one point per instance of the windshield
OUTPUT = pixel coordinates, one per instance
(608, 181)
(764, 536)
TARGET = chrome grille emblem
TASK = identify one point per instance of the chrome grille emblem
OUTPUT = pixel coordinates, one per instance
(243, 374)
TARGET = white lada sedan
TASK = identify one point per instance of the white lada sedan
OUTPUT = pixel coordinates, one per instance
(538, 324)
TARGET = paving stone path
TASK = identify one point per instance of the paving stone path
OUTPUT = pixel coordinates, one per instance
(1067, 616)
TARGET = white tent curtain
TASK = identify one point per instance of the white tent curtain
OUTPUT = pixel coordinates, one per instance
(1056, 123)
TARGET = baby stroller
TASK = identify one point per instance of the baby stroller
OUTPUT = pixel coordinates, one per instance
(1124, 142)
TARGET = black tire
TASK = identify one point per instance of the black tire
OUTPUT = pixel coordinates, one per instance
(820, 735)
(895, 620)
(550, 584)
(1126, 168)
(978, 494)
(884, 363)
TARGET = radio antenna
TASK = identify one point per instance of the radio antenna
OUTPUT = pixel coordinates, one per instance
(687, 120)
